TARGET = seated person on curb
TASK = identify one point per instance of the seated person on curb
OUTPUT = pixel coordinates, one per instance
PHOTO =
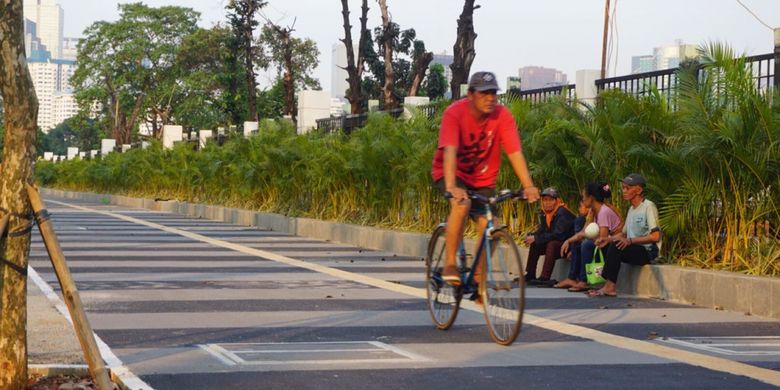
(637, 243)
(575, 274)
(595, 196)
(468, 157)
(556, 224)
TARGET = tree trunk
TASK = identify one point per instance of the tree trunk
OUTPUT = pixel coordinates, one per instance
(354, 68)
(419, 72)
(249, 63)
(21, 115)
(387, 43)
(463, 50)
(289, 77)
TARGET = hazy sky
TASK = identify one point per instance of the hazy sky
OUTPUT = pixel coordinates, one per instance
(563, 34)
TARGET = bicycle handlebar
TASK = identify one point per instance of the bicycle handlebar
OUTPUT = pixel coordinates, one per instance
(502, 196)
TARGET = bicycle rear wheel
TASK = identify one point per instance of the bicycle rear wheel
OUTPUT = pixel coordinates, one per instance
(503, 289)
(443, 299)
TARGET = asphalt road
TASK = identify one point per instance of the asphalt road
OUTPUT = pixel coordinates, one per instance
(195, 304)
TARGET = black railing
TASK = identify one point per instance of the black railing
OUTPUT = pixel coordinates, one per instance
(539, 95)
(348, 123)
(762, 67)
(666, 81)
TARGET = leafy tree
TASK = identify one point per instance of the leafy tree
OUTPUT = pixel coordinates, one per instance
(242, 18)
(270, 102)
(79, 131)
(211, 88)
(408, 51)
(435, 85)
(129, 65)
(294, 59)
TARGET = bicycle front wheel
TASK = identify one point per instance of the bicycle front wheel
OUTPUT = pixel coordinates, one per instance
(443, 298)
(503, 289)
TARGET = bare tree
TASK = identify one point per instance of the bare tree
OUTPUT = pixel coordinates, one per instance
(387, 48)
(21, 107)
(463, 50)
(421, 62)
(355, 68)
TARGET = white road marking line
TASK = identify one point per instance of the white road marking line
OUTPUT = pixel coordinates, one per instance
(213, 350)
(118, 369)
(231, 357)
(692, 358)
(722, 349)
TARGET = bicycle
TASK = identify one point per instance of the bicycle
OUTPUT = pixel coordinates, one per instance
(502, 284)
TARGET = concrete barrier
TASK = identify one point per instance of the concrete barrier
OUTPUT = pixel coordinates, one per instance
(755, 295)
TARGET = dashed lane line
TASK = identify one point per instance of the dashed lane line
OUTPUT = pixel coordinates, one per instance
(692, 358)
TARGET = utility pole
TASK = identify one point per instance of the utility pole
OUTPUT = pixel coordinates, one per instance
(777, 59)
(604, 43)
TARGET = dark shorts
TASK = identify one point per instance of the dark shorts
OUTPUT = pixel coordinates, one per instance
(477, 208)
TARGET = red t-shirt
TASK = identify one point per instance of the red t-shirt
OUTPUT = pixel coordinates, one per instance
(478, 143)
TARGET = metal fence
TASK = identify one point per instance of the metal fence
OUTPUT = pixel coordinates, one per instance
(350, 122)
(762, 68)
(539, 95)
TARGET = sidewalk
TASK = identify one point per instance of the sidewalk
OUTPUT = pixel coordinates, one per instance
(51, 339)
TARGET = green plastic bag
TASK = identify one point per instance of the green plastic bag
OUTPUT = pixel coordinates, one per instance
(594, 268)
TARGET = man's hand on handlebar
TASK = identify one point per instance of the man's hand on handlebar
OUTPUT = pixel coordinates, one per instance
(531, 194)
(459, 195)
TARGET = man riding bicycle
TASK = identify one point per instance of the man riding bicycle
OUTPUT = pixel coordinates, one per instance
(468, 158)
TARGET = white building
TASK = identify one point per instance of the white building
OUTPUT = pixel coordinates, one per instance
(49, 20)
(51, 60)
(55, 97)
(69, 51)
(664, 57)
(64, 106)
(671, 56)
(444, 60)
(338, 75)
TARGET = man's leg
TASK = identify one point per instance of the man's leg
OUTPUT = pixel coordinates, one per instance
(456, 223)
(481, 226)
(534, 251)
(552, 252)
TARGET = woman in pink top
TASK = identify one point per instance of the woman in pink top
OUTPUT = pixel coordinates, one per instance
(594, 196)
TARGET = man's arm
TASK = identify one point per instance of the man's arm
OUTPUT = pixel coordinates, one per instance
(450, 164)
(517, 160)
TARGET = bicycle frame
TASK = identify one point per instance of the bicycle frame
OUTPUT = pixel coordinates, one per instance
(484, 245)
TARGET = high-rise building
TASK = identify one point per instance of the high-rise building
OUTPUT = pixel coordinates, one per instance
(51, 61)
(444, 60)
(69, 51)
(664, 57)
(513, 82)
(55, 95)
(49, 20)
(642, 64)
(533, 77)
(338, 73)
(671, 56)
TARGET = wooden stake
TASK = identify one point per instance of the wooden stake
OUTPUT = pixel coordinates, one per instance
(83, 329)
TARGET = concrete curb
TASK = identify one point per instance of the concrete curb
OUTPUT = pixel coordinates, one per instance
(753, 295)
